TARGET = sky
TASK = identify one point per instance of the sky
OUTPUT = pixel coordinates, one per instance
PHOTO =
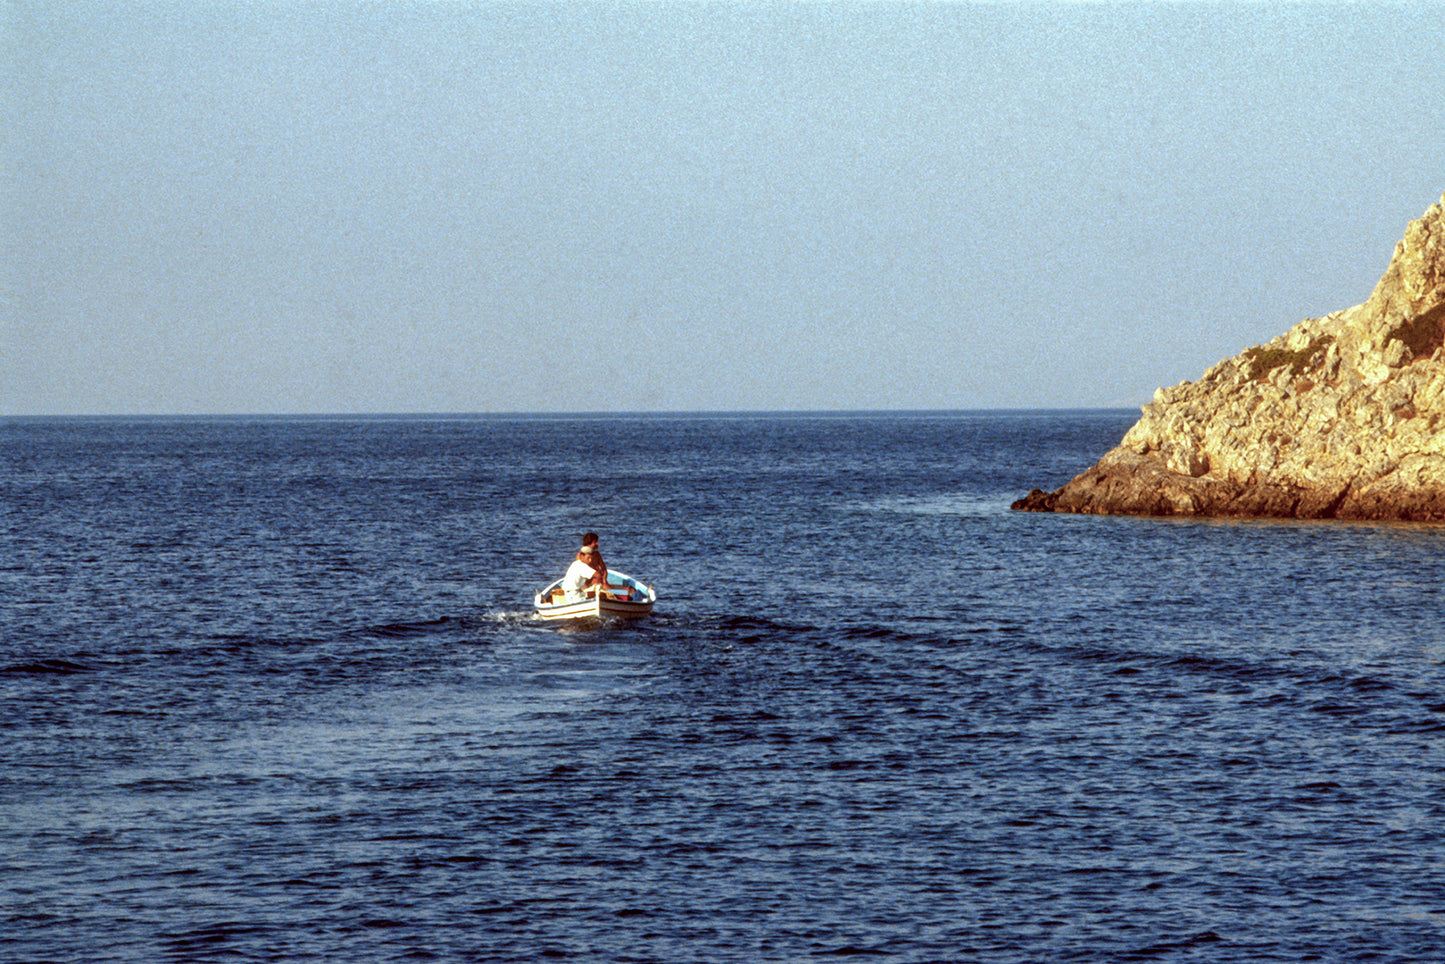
(415, 207)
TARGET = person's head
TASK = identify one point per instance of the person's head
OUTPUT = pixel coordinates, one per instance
(590, 539)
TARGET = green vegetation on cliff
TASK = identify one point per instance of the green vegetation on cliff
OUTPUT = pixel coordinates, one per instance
(1263, 360)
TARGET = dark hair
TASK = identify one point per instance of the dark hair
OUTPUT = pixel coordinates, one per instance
(590, 539)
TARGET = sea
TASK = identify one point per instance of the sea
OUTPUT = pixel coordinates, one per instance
(272, 689)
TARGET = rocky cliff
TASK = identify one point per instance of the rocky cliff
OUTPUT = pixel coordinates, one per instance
(1341, 417)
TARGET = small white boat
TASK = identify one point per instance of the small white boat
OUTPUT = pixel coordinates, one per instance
(621, 598)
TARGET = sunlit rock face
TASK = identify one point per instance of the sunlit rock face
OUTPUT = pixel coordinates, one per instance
(1341, 417)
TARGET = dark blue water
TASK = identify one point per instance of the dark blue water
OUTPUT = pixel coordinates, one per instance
(272, 692)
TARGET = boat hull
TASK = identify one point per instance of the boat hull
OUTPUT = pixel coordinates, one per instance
(622, 598)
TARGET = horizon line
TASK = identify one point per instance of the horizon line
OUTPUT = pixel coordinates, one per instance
(620, 413)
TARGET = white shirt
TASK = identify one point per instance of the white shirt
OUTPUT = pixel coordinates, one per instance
(576, 579)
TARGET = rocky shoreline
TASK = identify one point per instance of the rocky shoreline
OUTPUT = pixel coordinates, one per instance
(1342, 417)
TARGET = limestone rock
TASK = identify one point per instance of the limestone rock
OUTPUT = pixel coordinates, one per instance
(1340, 417)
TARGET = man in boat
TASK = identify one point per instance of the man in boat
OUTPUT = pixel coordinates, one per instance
(586, 570)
